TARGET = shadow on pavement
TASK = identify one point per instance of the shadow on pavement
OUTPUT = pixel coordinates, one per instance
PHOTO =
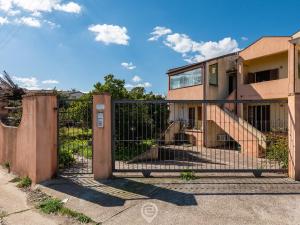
(116, 192)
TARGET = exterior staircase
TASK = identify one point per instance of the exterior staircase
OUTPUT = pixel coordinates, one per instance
(251, 140)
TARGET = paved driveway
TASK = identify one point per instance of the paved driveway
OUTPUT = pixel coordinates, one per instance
(211, 199)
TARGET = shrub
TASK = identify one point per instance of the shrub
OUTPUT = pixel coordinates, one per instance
(50, 205)
(278, 149)
(24, 182)
(187, 175)
(66, 158)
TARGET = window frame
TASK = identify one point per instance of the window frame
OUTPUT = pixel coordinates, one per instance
(216, 74)
(182, 73)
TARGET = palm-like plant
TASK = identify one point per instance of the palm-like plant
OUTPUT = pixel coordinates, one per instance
(8, 89)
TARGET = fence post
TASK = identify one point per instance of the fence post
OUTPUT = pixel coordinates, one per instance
(102, 157)
(294, 135)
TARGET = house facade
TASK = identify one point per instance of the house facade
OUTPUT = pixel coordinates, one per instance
(264, 71)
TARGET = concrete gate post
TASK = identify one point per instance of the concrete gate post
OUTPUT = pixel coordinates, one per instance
(102, 146)
(294, 111)
(294, 135)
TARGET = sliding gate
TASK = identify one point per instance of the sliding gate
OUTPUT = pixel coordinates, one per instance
(204, 135)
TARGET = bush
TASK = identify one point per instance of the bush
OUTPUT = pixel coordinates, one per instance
(24, 182)
(66, 158)
(278, 149)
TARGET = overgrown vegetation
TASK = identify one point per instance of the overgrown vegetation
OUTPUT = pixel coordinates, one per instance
(278, 149)
(187, 175)
(10, 97)
(55, 206)
(145, 122)
(24, 182)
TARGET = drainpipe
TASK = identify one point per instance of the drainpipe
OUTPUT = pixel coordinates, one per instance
(204, 105)
(294, 81)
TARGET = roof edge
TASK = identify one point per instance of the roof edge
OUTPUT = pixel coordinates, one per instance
(176, 69)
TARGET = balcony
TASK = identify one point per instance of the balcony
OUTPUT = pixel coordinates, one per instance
(272, 89)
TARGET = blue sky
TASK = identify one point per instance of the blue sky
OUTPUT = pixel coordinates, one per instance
(74, 43)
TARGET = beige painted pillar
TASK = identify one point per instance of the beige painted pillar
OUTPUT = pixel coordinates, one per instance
(294, 113)
(102, 148)
(46, 135)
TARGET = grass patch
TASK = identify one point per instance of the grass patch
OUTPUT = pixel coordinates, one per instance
(24, 182)
(187, 175)
(78, 216)
(55, 206)
(50, 205)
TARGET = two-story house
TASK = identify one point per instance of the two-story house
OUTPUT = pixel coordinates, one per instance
(252, 78)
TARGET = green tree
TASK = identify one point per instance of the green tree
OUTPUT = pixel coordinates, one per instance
(115, 87)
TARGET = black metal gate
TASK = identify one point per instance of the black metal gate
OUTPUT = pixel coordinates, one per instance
(75, 149)
(218, 136)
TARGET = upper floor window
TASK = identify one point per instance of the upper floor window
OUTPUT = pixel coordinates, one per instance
(186, 79)
(213, 74)
(262, 76)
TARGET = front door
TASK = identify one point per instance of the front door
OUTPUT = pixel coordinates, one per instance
(231, 83)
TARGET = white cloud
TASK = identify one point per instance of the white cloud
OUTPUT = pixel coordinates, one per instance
(244, 38)
(110, 34)
(145, 85)
(29, 21)
(136, 79)
(179, 42)
(70, 7)
(30, 83)
(158, 32)
(3, 20)
(50, 82)
(35, 8)
(39, 5)
(128, 66)
(51, 24)
(193, 51)
(137, 82)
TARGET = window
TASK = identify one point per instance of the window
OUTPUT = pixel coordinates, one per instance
(262, 76)
(213, 74)
(186, 79)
